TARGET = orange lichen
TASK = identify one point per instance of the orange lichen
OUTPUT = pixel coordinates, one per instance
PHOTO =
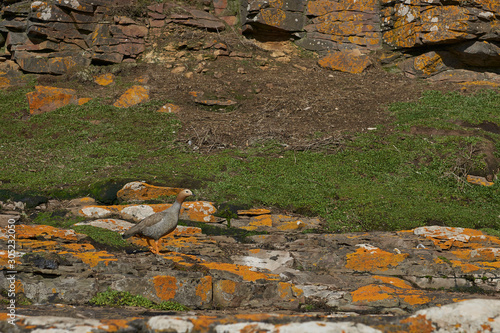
(75, 247)
(133, 96)
(204, 288)
(45, 99)
(399, 290)
(113, 325)
(169, 108)
(254, 211)
(228, 286)
(4, 82)
(244, 272)
(393, 281)
(104, 79)
(479, 180)
(202, 323)
(345, 61)
(297, 291)
(418, 324)
(428, 63)
(45, 231)
(371, 293)
(143, 191)
(165, 286)
(373, 259)
(446, 237)
(94, 258)
(285, 290)
(37, 245)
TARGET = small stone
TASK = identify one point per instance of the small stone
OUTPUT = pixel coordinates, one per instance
(133, 96)
(178, 69)
(104, 79)
(45, 99)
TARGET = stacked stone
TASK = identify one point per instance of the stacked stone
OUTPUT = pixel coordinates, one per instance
(468, 32)
(55, 36)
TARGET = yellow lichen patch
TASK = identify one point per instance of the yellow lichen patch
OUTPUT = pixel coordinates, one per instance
(371, 293)
(165, 286)
(292, 225)
(169, 108)
(418, 324)
(200, 211)
(202, 323)
(297, 291)
(428, 63)
(446, 237)
(204, 288)
(142, 191)
(479, 254)
(259, 221)
(254, 251)
(273, 16)
(4, 260)
(479, 180)
(373, 259)
(94, 258)
(285, 290)
(465, 267)
(113, 325)
(37, 245)
(228, 286)
(83, 100)
(345, 61)
(495, 264)
(254, 211)
(4, 82)
(45, 99)
(401, 292)
(244, 272)
(393, 281)
(104, 79)
(133, 96)
(480, 83)
(47, 232)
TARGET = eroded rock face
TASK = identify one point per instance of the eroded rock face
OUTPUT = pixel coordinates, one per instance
(279, 267)
(53, 37)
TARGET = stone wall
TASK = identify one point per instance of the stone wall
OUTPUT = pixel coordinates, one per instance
(55, 35)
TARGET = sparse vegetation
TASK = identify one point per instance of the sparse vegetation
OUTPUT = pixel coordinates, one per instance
(124, 298)
(391, 178)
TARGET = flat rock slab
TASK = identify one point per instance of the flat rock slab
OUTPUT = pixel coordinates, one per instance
(476, 315)
(386, 272)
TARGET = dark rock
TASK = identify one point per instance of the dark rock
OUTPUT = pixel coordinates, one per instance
(32, 201)
(478, 53)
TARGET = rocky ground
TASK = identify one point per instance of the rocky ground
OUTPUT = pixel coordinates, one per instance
(260, 271)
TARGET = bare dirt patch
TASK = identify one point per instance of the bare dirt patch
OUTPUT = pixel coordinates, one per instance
(281, 93)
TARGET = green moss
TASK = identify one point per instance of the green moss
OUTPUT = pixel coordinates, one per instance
(116, 298)
(102, 236)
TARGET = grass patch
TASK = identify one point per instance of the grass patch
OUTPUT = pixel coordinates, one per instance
(116, 298)
(381, 180)
(102, 236)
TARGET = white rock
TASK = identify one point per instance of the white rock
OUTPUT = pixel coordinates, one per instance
(110, 224)
(468, 316)
(167, 323)
(140, 212)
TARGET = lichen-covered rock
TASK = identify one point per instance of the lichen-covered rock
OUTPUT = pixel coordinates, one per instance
(133, 96)
(352, 61)
(140, 191)
(45, 99)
